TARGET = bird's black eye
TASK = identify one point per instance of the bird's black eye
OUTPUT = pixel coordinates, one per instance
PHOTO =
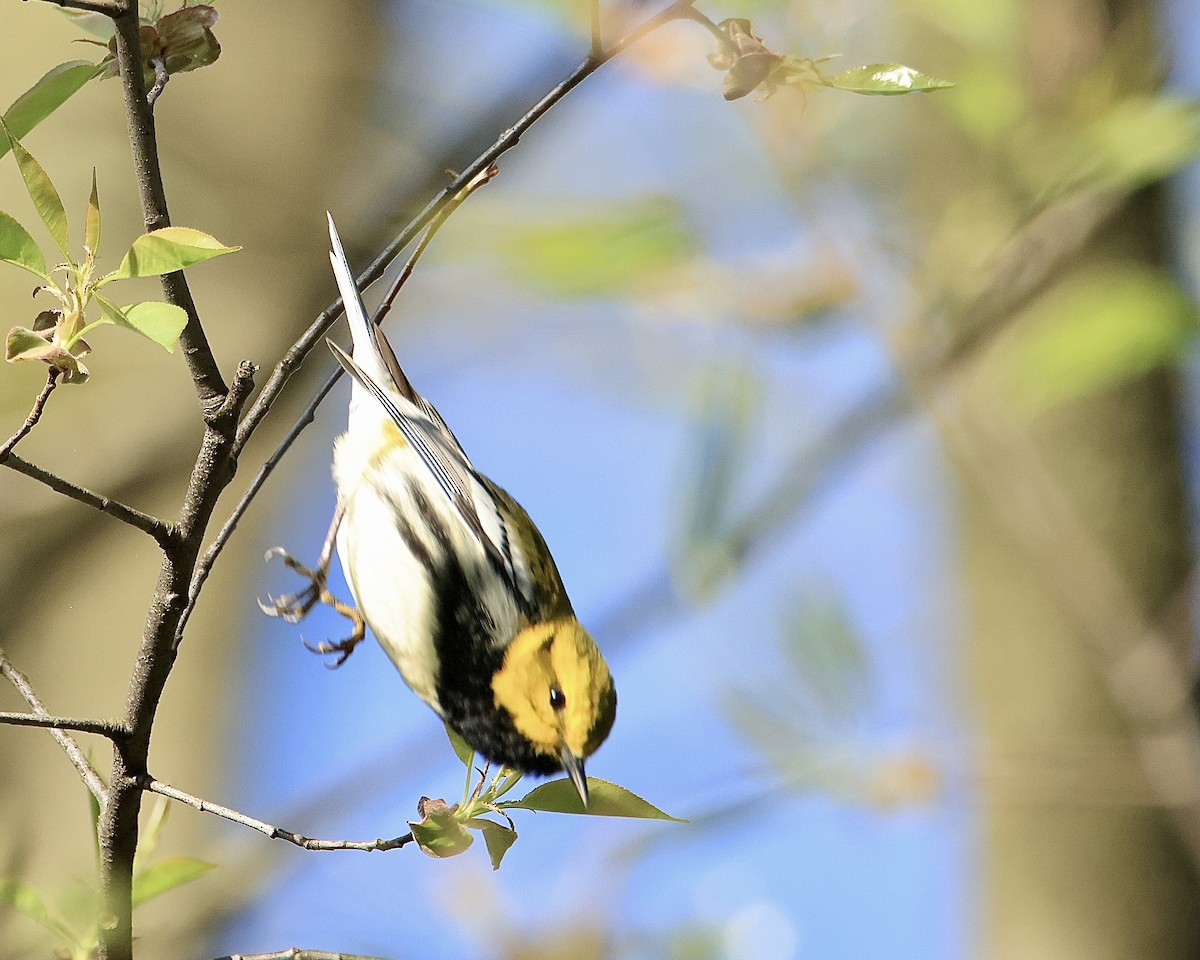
(558, 699)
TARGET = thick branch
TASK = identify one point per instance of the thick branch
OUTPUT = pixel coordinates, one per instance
(118, 830)
(34, 415)
(210, 387)
(267, 829)
(160, 530)
(87, 773)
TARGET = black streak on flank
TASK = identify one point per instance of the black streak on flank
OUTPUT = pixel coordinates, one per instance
(468, 656)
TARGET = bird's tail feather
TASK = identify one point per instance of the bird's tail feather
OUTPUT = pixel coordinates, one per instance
(372, 352)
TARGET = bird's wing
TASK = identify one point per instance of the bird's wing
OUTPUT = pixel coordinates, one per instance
(375, 368)
(534, 571)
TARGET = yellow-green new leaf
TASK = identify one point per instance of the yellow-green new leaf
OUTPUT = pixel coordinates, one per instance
(167, 250)
(166, 875)
(885, 79)
(160, 322)
(18, 248)
(498, 839)
(46, 96)
(153, 319)
(437, 833)
(23, 345)
(464, 753)
(91, 233)
(41, 191)
(604, 800)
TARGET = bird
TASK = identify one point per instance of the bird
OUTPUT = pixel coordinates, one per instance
(453, 577)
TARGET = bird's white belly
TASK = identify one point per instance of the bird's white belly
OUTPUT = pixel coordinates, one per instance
(392, 584)
(391, 587)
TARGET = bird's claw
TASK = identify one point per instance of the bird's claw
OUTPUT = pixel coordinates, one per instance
(294, 607)
(343, 648)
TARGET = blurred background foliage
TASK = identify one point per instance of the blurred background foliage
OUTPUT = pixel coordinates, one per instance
(861, 429)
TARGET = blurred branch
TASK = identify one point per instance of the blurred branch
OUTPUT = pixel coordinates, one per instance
(34, 415)
(295, 953)
(267, 829)
(506, 141)
(82, 765)
(1146, 676)
(160, 530)
(1018, 272)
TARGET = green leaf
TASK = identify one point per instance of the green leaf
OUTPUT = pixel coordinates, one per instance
(167, 250)
(166, 875)
(187, 39)
(614, 252)
(91, 233)
(18, 247)
(437, 833)
(157, 321)
(497, 837)
(1094, 332)
(25, 898)
(97, 24)
(464, 753)
(46, 96)
(604, 800)
(41, 191)
(885, 79)
(24, 344)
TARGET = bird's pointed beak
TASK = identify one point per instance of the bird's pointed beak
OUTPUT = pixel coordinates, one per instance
(574, 767)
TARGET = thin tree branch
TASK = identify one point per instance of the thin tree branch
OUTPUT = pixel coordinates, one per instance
(34, 415)
(295, 953)
(87, 773)
(110, 8)
(507, 140)
(160, 530)
(267, 829)
(206, 376)
(103, 728)
(204, 567)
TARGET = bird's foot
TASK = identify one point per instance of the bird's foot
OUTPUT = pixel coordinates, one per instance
(344, 647)
(294, 607)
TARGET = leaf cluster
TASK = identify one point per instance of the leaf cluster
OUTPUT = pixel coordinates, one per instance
(445, 831)
(56, 335)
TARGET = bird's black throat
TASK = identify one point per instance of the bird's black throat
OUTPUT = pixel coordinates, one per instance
(468, 652)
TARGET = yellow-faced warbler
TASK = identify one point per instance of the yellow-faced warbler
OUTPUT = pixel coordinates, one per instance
(452, 576)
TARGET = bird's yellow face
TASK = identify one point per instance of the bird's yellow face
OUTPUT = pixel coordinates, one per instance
(556, 687)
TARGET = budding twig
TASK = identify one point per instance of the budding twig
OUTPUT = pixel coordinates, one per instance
(269, 830)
